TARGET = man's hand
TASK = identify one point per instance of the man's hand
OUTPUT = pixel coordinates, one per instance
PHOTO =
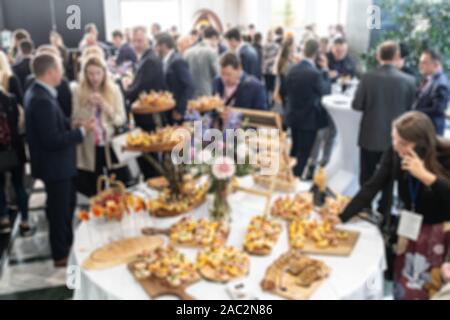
(176, 116)
(126, 82)
(333, 74)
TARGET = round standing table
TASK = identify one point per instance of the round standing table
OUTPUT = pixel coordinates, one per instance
(359, 276)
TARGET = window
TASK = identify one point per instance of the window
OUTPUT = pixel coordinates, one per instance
(147, 12)
(296, 14)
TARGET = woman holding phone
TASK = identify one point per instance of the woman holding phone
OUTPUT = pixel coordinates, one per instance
(419, 162)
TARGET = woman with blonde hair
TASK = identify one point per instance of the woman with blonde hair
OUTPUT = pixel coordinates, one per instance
(97, 96)
(8, 81)
(92, 51)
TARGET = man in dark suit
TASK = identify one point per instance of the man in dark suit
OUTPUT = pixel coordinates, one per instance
(306, 85)
(121, 50)
(433, 95)
(52, 150)
(63, 89)
(236, 87)
(177, 75)
(149, 76)
(247, 54)
(22, 67)
(382, 95)
(339, 61)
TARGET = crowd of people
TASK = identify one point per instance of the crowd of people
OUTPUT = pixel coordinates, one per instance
(68, 126)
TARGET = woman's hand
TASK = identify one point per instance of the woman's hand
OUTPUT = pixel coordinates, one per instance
(416, 167)
(97, 100)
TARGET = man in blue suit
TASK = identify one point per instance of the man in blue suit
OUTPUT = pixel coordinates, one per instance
(305, 115)
(434, 92)
(52, 144)
(237, 88)
(247, 54)
(177, 75)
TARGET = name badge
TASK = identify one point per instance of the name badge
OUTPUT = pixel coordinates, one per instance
(409, 225)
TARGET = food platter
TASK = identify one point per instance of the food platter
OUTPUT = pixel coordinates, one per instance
(295, 276)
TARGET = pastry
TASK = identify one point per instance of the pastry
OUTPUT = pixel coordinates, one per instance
(294, 275)
(156, 100)
(163, 136)
(166, 264)
(222, 264)
(262, 235)
(322, 234)
(334, 206)
(289, 207)
(199, 233)
(206, 103)
(191, 197)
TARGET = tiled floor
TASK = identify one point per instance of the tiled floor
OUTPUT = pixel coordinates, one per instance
(28, 271)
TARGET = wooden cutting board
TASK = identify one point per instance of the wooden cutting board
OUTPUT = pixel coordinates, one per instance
(157, 288)
(166, 232)
(344, 249)
(121, 252)
(208, 273)
(284, 284)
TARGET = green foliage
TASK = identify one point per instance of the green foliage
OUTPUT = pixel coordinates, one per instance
(418, 23)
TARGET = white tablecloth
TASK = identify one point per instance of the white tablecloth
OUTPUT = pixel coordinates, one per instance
(344, 164)
(359, 276)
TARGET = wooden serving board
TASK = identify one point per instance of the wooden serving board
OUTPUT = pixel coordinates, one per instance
(259, 253)
(121, 252)
(139, 109)
(156, 147)
(284, 284)
(170, 214)
(344, 249)
(287, 288)
(157, 288)
(208, 273)
(166, 232)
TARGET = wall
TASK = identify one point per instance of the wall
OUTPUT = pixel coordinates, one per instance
(358, 34)
(36, 17)
(226, 9)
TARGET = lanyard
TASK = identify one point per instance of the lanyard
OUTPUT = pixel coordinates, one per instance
(413, 192)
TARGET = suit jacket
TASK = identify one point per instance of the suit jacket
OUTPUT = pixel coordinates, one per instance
(249, 60)
(15, 89)
(179, 81)
(382, 95)
(64, 94)
(250, 93)
(126, 53)
(344, 67)
(149, 76)
(50, 137)
(22, 70)
(305, 87)
(204, 64)
(434, 100)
